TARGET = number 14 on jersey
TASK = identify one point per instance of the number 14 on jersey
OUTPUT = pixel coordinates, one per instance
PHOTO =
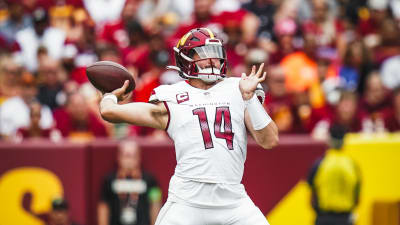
(221, 113)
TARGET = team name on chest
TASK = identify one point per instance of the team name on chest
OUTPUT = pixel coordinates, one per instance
(210, 104)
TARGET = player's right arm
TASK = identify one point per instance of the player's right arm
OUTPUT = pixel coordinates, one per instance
(136, 113)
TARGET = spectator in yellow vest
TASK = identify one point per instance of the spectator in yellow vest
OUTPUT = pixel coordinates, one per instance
(335, 183)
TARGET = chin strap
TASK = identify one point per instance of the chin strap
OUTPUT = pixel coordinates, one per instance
(186, 76)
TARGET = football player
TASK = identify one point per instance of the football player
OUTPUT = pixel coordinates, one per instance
(207, 116)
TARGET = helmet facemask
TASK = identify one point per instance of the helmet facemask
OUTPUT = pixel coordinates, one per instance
(209, 69)
(208, 63)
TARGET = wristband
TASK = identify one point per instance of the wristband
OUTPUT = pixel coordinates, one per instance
(112, 97)
(258, 116)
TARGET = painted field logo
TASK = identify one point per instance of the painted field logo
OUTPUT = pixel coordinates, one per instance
(182, 97)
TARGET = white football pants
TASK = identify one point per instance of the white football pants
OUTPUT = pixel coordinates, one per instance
(174, 213)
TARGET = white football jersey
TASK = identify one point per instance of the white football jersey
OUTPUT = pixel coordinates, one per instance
(210, 138)
(208, 130)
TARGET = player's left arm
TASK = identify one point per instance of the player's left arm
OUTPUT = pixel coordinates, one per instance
(258, 122)
(267, 137)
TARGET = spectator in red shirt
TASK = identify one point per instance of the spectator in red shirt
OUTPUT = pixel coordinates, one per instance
(34, 130)
(137, 53)
(392, 118)
(77, 122)
(115, 32)
(159, 59)
(279, 102)
(375, 102)
(235, 48)
(324, 25)
(345, 114)
(371, 20)
(389, 43)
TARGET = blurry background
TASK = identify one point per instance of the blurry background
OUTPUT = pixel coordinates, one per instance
(330, 62)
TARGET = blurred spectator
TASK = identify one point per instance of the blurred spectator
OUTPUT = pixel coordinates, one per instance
(9, 77)
(137, 54)
(103, 11)
(324, 92)
(15, 112)
(356, 66)
(287, 9)
(389, 45)
(306, 11)
(108, 52)
(76, 122)
(161, 15)
(285, 31)
(30, 39)
(50, 90)
(81, 35)
(350, 9)
(302, 112)
(264, 10)
(16, 22)
(324, 26)
(390, 72)
(116, 31)
(335, 182)
(129, 195)
(345, 114)
(371, 21)
(290, 111)
(60, 16)
(392, 118)
(375, 102)
(34, 131)
(226, 6)
(158, 58)
(254, 56)
(235, 48)
(300, 67)
(351, 72)
(278, 101)
(59, 215)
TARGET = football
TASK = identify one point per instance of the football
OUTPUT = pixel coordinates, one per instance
(107, 76)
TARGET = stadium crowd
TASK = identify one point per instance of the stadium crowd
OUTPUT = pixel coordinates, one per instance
(329, 61)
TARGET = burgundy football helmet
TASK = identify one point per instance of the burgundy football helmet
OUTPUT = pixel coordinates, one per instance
(200, 54)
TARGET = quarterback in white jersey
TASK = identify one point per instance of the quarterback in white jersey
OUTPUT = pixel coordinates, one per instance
(208, 117)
